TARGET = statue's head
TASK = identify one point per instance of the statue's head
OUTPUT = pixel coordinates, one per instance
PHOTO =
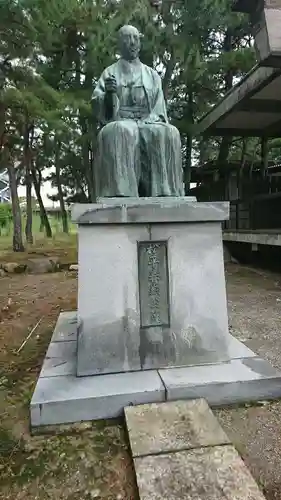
(129, 42)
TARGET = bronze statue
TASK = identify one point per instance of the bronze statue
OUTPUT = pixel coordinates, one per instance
(139, 152)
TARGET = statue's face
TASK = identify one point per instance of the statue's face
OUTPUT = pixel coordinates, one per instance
(129, 43)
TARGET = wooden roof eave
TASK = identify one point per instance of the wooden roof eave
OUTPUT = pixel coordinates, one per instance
(239, 98)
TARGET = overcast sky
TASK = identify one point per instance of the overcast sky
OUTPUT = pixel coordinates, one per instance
(45, 190)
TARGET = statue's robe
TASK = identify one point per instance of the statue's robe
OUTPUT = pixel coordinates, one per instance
(138, 151)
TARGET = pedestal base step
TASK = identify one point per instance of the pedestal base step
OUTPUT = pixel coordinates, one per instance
(61, 397)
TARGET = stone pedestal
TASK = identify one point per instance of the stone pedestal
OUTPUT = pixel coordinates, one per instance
(151, 285)
(152, 319)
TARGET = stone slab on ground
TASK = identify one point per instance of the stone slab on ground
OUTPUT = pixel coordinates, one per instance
(174, 426)
(13, 267)
(237, 381)
(181, 452)
(67, 399)
(61, 397)
(42, 265)
(215, 473)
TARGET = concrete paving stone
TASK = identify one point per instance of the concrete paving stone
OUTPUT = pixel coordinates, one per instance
(240, 380)
(173, 426)
(68, 399)
(66, 327)
(60, 359)
(216, 473)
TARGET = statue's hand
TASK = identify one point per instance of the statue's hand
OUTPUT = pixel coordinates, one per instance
(110, 85)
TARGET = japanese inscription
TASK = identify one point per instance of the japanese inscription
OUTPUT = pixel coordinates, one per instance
(153, 284)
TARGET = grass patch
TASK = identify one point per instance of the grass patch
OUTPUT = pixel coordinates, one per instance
(60, 245)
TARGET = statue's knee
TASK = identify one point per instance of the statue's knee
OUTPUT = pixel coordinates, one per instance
(173, 131)
(117, 128)
(167, 131)
(156, 133)
(108, 130)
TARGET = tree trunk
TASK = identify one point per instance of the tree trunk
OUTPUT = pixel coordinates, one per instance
(224, 149)
(187, 169)
(28, 224)
(28, 184)
(169, 35)
(43, 213)
(168, 75)
(39, 183)
(242, 165)
(87, 164)
(264, 155)
(60, 193)
(17, 235)
(204, 149)
(84, 117)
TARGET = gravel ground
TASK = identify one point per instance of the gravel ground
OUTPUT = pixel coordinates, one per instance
(254, 302)
(254, 307)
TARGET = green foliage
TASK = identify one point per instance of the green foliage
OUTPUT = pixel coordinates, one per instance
(5, 216)
(53, 51)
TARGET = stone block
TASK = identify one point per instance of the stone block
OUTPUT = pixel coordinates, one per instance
(240, 380)
(73, 267)
(121, 327)
(202, 474)
(108, 299)
(150, 212)
(68, 399)
(60, 397)
(174, 426)
(198, 331)
(66, 327)
(14, 267)
(145, 200)
(60, 359)
(237, 350)
(42, 265)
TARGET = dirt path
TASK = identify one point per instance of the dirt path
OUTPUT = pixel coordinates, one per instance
(93, 460)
